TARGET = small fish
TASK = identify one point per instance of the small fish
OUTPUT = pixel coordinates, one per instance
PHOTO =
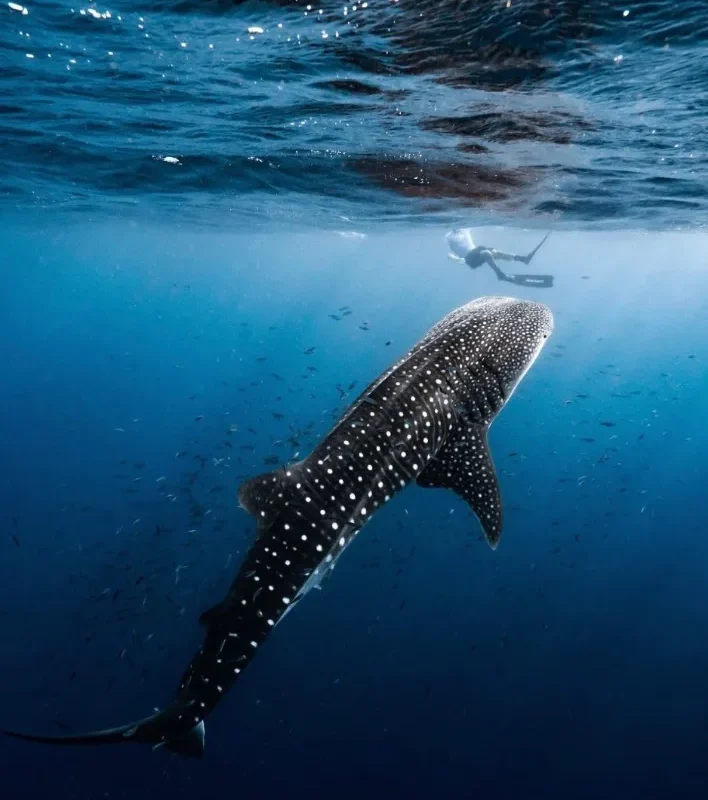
(302, 530)
(310, 351)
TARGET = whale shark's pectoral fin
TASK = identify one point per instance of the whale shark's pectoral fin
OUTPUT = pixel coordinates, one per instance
(465, 465)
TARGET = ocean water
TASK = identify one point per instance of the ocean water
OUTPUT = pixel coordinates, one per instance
(170, 328)
(589, 111)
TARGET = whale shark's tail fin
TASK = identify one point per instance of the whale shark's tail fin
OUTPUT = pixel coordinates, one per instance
(108, 736)
(190, 744)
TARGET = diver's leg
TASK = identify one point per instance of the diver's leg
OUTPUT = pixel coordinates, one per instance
(488, 258)
(502, 256)
(527, 259)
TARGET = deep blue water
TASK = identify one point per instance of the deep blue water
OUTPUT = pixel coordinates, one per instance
(571, 660)
(157, 326)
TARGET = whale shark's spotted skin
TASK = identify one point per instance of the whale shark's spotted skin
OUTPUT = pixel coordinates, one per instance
(425, 419)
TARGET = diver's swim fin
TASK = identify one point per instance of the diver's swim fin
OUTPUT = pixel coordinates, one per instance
(528, 258)
(534, 281)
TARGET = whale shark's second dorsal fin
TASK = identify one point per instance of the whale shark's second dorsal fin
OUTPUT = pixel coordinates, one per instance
(255, 494)
(464, 464)
(263, 496)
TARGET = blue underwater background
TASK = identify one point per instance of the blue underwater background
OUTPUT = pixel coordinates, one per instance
(572, 659)
(170, 328)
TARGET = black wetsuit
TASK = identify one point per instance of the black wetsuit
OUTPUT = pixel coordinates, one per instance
(475, 258)
(484, 255)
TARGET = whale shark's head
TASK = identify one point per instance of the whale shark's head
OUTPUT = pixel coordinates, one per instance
(512, 334)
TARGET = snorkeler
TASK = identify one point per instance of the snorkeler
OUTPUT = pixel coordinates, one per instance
(463, 248)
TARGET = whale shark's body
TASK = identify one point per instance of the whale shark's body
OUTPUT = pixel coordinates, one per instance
(425, 420)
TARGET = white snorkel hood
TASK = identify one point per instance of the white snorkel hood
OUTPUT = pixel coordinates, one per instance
(460, 242)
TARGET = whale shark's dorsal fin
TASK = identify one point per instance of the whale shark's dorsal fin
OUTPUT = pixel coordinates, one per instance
(465, 465)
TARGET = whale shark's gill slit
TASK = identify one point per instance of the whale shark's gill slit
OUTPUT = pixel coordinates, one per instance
(485, 390)
(496, 374)
(478, 401)
(491, 389)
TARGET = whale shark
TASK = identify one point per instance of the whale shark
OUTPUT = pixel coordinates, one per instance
(424, 420)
